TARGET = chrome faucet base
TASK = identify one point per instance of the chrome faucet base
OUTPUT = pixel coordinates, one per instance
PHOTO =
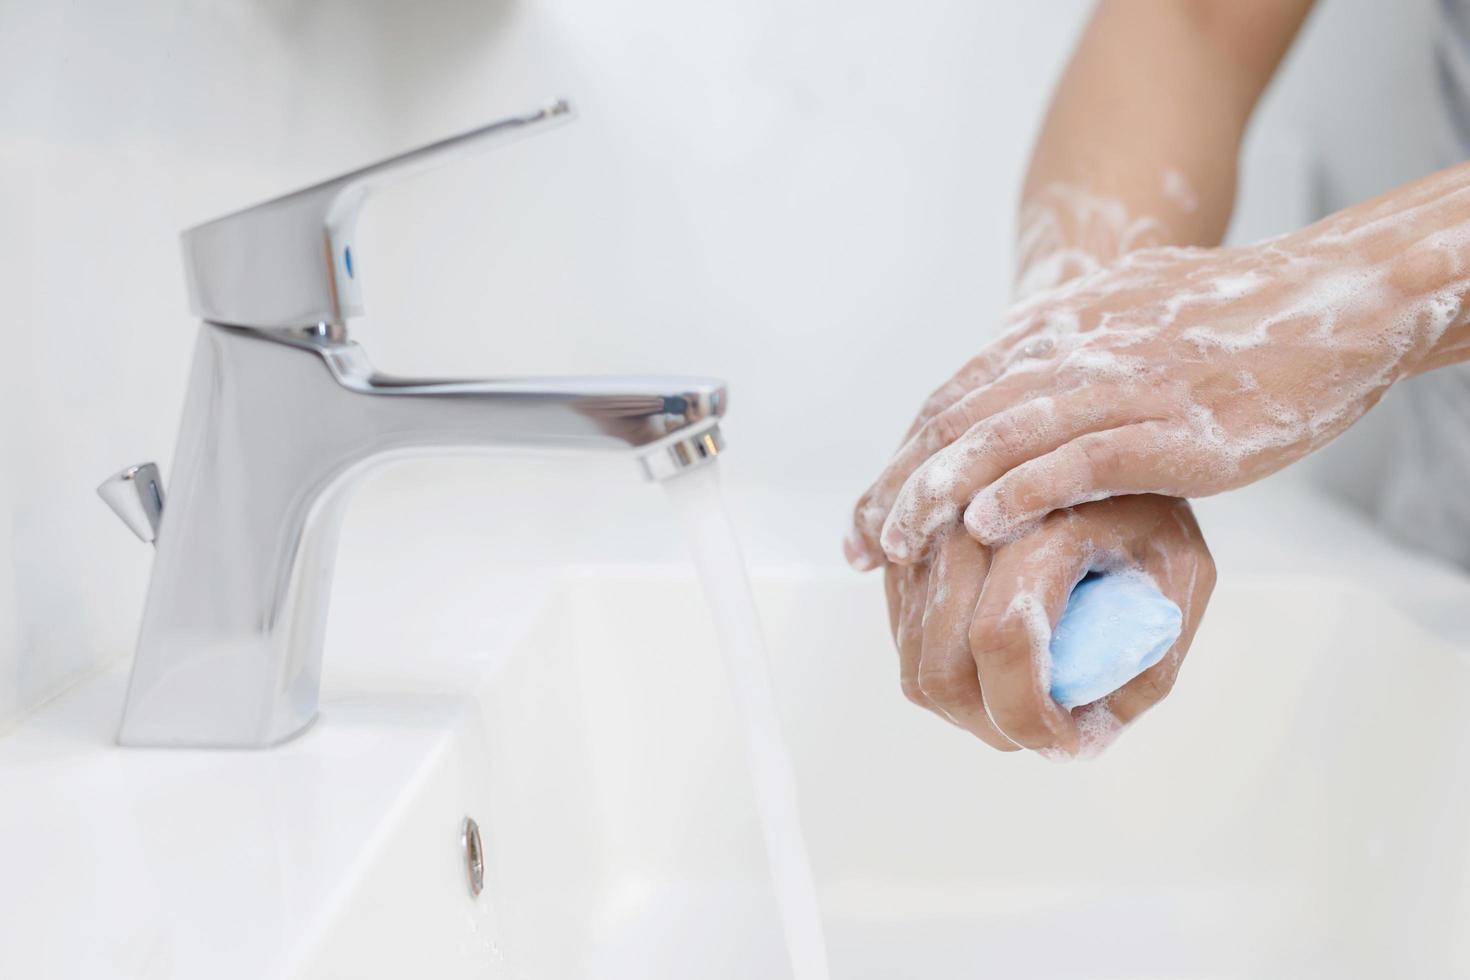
(279, 427)
(284, 416)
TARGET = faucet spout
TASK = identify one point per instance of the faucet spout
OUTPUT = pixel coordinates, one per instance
(541, 414)
(279, 427)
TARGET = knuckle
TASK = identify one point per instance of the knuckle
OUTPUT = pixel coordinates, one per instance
(1207, 574)
(939, 399)
(1102, 457)
(913, 691)
(1021, 723)
(1155, 687)
(947, 684)
(982, 629)
(874, 506)
(947, 427)
(1006, 438)
(1069, 522)
(998, 640)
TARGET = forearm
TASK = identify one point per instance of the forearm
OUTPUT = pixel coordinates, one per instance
(1140, 143)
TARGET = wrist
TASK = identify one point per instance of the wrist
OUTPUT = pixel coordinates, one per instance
(1386, 286)
(1430, 280)
(1066, 231)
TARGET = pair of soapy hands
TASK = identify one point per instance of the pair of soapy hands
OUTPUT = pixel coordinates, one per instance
(1066, 446)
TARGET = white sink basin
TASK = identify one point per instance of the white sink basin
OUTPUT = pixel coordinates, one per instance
(1288, 813)
(1296, 809)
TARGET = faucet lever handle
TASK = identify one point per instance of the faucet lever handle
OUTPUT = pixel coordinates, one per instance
(288, 262)
(135, 494)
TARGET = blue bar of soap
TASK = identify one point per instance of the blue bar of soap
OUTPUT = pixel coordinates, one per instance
(1116, 626)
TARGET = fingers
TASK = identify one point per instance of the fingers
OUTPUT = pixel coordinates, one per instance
(909, 583)
(1097, 728)
(1024, 594)
(979, 370)
(891, 575)
(860, 547)
(934, 496)
(979, 389)
(947, 674)
(943, 428)
(1112, 462)
(1155, 534)
(1176, 557)
(993, 677)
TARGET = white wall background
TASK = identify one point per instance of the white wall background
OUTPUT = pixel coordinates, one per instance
(812, 198)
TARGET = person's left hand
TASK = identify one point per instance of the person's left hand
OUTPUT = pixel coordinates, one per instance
(973, 628)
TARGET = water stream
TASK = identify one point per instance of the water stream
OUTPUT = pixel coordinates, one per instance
(700, 506)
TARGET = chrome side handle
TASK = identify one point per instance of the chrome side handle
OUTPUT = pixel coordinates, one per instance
(289, 262)
(135, 493)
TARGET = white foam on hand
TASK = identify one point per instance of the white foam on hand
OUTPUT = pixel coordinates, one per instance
(1178, 371)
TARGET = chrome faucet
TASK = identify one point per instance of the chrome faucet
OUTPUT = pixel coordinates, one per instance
(284, 415)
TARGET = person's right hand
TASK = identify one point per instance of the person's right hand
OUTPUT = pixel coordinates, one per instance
(973, 628)
(1183, 372)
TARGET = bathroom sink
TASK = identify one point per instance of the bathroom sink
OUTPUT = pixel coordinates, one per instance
(1284, 814)
(1292, 810)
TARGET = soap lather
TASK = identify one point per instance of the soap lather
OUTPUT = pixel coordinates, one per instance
(1117, 624)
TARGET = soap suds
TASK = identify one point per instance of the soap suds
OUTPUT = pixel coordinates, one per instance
(1187, 337)
(1066, 231)
(1027, 607)
(1179, 191)
(1097, 728)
